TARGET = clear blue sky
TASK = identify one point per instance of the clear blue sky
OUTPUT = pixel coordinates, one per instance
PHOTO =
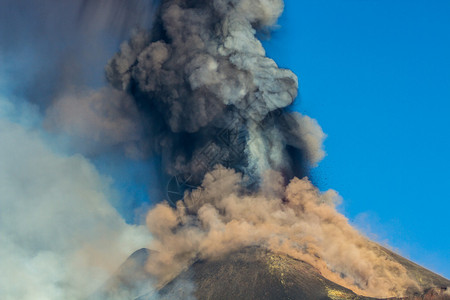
(376, 75)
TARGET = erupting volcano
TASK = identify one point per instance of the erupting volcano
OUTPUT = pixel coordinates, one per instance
(218, 114)
(241, 219)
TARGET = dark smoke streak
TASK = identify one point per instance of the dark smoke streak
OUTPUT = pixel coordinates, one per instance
(52, 45)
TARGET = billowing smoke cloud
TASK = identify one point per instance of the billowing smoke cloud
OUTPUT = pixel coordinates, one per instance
(218, 112)
(60, 237)
(296, 219)
(213, 96)
(196, 90)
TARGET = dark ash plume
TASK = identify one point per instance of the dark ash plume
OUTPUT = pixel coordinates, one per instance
(213, 96)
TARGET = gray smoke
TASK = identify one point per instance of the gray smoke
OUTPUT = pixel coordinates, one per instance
(52, 45)
(53, 54)
(212, 95)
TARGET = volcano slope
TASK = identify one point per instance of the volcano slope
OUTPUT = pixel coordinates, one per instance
(254, 273)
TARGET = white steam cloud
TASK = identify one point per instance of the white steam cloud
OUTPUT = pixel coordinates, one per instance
(60, 237)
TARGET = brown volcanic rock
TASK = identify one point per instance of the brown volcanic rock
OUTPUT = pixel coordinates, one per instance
(442, 293)
(255, 273)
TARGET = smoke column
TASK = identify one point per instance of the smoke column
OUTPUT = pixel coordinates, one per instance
(217, 113)
(210, 93)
